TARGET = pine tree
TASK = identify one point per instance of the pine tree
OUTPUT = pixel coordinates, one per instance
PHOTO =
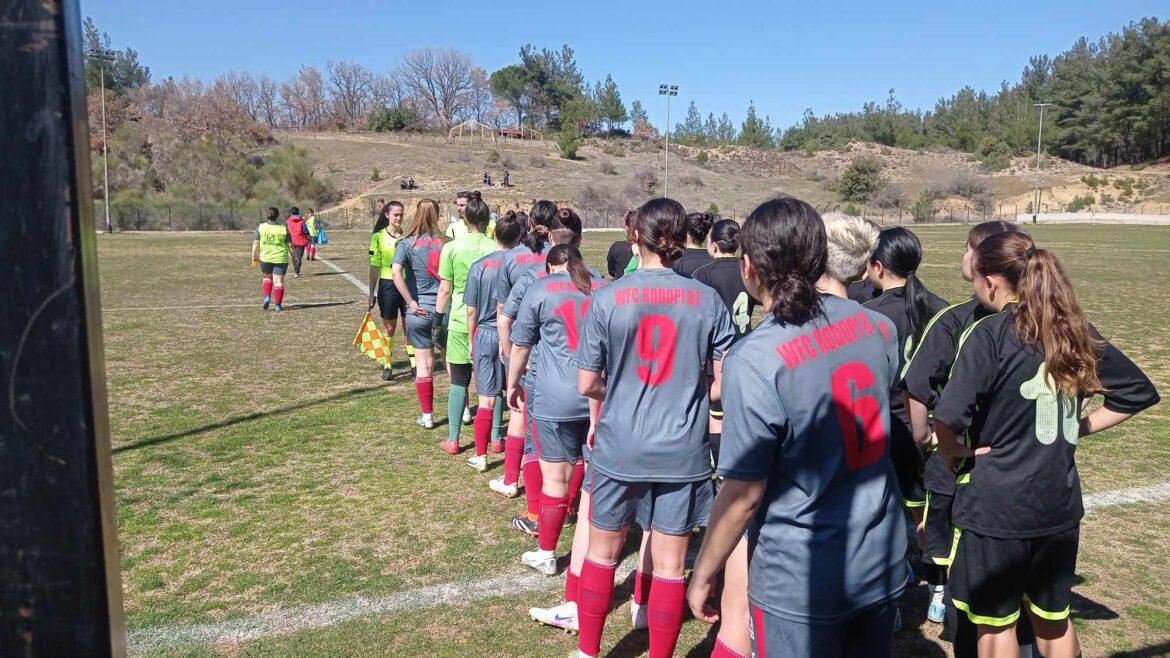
(711, 129)
(691, 130)
(609, 102)
(755, 132)
(726, 132)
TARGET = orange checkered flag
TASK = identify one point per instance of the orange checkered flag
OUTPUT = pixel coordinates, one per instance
(371, 342)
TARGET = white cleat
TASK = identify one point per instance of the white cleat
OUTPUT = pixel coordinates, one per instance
(479, 463)
(426, 423)
(543, 561)
(466, 416)
(563, 616)
(638, 616)
(506, 490)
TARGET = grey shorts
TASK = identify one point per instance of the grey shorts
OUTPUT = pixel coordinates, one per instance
(672, 508)
(418, 330)
(559, 441)
(489, 372)
(868, 634)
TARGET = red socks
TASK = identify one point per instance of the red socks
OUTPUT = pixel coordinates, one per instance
(278, 295)
(425, 387)
(724, 651)
(552, 519)
(667, 600)
(513, 454)
(533, 483)
(266, 287)
(571, 582)
(483, 430)
(594, 594)
(575, 482)
(642, 582)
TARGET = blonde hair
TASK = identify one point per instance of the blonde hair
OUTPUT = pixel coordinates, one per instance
(852, 241)
(425, 220)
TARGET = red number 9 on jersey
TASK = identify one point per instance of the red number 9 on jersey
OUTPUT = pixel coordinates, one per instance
(655, 341)
(860, 410)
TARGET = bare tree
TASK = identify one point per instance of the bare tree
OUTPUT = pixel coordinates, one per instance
(350, 87)
(441, 78)
(386, 91)
(267, 100)
(303, 99)
(479, 97)
(245, 90)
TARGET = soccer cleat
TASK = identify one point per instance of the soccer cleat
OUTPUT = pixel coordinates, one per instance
(937, 611)
(425, 423)
(526, 525)
(267, 301)
(450, 447)
(506, 490)
(571, 518)
(497, 446)
(467, 420)
(543, 561)
(387, 374)
(278, 308)
(478, 462)
(639, 616)
(563, 616)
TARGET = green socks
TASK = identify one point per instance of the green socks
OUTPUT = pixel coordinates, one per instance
(456, 403)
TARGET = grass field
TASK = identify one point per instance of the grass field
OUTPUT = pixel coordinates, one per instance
(262, 467)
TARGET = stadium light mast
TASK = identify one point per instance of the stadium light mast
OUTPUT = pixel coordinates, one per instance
(104, 56)
(1039, 141)
(668, 91)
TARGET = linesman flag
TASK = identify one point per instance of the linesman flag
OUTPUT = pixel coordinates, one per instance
(371, 342)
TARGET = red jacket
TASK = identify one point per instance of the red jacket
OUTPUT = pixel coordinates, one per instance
(298, 230)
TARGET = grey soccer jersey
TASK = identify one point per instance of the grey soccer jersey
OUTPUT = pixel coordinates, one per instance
(551, 315)
(807, 409)
(419, 256)
(653, 334)
(481, 278)
(514, 263)
(512, 305)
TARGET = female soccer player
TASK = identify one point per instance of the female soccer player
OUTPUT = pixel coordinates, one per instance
(905, 300)
(695, 255)
(806, 395)
(549, 316)
(391, 305)
(645, 346)
(620, 252)
(1017, 387)
(530, 253)
(923, 378)
(851, 242)
(313, 226)
(481, 317)
(416, 275)
(271, 246)
(454, 264)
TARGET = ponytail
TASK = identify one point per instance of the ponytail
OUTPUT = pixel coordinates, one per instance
(1047, 315)
(477, 212)
(698, 226)
(661, 226)
(900, 252)
(785, 241)
(570, 257)
(542, 221)
(383, 217)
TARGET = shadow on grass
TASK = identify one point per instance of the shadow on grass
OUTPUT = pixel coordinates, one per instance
(1162, 649)
(302, 307)
(235, 420)
(329, 273)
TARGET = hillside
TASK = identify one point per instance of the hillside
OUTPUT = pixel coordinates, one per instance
(735, 178)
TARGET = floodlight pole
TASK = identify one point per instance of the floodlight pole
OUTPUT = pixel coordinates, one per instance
(668, 91)
(1039, 141)
(104, 56)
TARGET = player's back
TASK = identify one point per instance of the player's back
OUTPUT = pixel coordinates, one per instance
(481, 278)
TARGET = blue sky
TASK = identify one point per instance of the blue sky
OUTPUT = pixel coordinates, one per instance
(829, 55)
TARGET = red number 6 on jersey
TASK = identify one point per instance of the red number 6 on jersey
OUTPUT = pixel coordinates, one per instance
(860, 410)
(655, 340)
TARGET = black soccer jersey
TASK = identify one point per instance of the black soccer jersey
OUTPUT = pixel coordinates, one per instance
(1000, 394)
(929, 367)
(863, 291)
(692, 259)
(892, 304)
(618, 257)
(723, 275)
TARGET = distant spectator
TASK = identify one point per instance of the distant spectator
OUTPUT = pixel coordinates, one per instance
(300, 238)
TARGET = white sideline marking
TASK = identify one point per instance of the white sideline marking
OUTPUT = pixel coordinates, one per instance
(325, 302)
(328, 614)
(347, 276)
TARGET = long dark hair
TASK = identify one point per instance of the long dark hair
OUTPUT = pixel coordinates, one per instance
(725, 235)
(698, 226)
(785, 240)
(477, 212)
(661, 225)
(570, 257)
(984, 230)
(1047, 315)
(900, 252)
(542, 221)
(384, 217)
(508, 229)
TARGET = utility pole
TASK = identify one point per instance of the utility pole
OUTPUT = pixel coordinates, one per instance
(1039, 141)
(668, 91)
(104, 56)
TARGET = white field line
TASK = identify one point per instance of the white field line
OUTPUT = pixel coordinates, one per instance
(347, 276)
(323, 615)
(323, 302)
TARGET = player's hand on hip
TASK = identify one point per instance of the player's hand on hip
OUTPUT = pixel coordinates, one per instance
(699, 593)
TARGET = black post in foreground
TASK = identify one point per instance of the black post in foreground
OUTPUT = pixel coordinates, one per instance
(60, 591)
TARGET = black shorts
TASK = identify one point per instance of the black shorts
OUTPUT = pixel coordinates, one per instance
(909, 463)
(940, 534)
(992, 579)
(390, 301)
(278, 269)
